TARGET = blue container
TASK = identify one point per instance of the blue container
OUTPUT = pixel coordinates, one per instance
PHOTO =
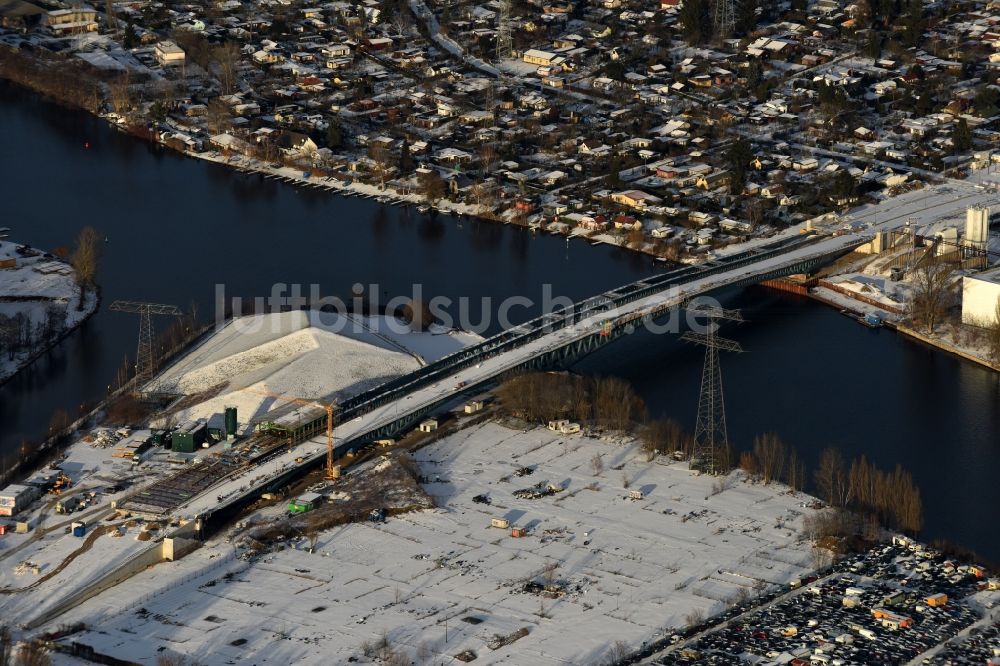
(79, 530)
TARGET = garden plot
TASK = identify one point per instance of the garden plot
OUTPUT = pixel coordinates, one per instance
(596, 565)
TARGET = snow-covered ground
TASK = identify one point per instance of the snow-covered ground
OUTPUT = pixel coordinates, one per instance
(42, 290)
(299, 355)
(621, 569)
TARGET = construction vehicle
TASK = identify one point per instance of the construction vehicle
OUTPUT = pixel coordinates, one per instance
(61, 483)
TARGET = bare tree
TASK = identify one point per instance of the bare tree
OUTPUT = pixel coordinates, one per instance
(120, 95)
(617, 653)
(831, 478)
(597, 464)
(382, 161)
(85, 259)
(664, 436)
(219, 116)
(932, 284)
(432, 185)
(488, 157)
(795, 475)
(32, 653)
(227, 60)
(770, 453)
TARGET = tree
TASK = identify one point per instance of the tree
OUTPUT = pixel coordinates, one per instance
(746, 17)
(85, 259)
(932, 284)
(769, 451)
(32, 653)
(664, 436)
(432, 185)
(831, 478)
(986, 101)
(219, 117)
(380, 155)
(844, 186)
(334, 133)
(405, 159)
(695, 21)
(130, 39)
(738, 158)
(795, 474)
(961, 136)
(227, 58)
(120, 95)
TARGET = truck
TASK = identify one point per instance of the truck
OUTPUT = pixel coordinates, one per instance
(68, 505)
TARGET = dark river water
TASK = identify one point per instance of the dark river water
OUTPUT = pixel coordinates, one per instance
(176, 228)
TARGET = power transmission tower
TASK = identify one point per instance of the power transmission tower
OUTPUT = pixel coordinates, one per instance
(505, 43)
(144, 360)
(725, 17)
(710, 434)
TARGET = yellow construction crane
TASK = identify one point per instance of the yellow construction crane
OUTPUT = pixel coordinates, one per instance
(329, 422)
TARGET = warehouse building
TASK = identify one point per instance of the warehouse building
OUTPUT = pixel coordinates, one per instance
(980, 293)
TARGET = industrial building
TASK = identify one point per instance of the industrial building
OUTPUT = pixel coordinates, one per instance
(980, 294)
(298, 424)
(189, 436)
(15, 497)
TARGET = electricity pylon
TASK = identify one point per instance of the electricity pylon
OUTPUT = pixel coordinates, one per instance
(710, 434)
(505, 42)
(725, 17)
(144, 361)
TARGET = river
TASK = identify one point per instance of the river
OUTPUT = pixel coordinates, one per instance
(176, 227)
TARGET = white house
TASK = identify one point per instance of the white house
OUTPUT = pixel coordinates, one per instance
(168, 53)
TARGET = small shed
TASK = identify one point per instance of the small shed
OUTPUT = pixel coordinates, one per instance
(518, 532)
(473, 407)
(79, 528)
(430, 425)
(304, 503)
(937, 600)
(501, 523)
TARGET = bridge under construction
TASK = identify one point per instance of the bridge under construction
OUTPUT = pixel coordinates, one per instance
(553, 340)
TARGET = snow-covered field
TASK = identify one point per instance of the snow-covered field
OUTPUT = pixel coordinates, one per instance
(443, 581)
(42, 290)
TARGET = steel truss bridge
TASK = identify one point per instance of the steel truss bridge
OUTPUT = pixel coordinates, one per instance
(552, 340)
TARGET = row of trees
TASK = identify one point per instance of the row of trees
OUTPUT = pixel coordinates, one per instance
(889, 497)
(771, 460)
(67, 80)
(607, 402)
(19, 334)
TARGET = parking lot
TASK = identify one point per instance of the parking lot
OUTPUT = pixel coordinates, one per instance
(881, 607)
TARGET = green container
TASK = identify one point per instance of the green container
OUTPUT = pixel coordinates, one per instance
(230, 421)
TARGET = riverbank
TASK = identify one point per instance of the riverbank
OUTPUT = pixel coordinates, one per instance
(40, 305)
(31, 73)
